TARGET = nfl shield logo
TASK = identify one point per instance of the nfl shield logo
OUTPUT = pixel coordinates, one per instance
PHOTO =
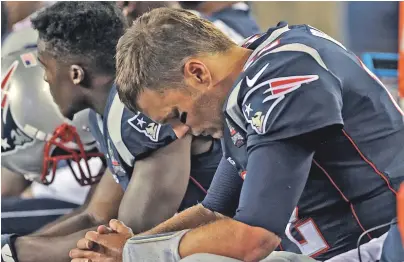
(236, 137)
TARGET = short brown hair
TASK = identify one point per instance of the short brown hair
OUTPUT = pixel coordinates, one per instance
(151, 54)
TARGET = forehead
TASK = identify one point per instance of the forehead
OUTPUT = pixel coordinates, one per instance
(158, 104)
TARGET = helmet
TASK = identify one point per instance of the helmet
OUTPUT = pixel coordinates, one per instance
(35, 136)
(21, 39)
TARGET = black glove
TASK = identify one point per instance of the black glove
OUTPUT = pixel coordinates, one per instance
(8, 253)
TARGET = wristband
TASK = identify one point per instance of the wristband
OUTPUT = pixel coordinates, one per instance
(161, 247)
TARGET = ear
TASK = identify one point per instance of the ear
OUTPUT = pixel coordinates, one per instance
(197, 74)
(76, 73)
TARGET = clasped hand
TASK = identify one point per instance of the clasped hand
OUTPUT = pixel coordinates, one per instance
(104, 245)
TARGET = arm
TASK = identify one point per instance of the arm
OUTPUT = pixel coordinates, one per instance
(221, 200)
(47, 249)
(12, 184)
(102, 207)
(157, 186)
(246, 243)
(271, 175)
(46, 230)
(223, 236)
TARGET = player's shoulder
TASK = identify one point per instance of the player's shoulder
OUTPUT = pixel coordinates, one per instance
(133, 134)
(286, 43)
(282, 82)
(282, 56)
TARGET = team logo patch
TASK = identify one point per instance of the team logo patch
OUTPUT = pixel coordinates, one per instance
(277, 91)
(144, 125)
(236, 137)
(29, 60)
(257, 122)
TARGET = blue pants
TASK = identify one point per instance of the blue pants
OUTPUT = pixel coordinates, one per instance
(393, 250)
(24, 216)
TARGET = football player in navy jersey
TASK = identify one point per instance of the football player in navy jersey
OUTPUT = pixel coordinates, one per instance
(317, 140)
(158, 174)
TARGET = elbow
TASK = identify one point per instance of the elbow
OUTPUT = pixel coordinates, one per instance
(257, 243)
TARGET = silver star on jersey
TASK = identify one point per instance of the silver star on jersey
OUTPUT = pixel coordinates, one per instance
(140, 122)
(4, 143)
(248, 109)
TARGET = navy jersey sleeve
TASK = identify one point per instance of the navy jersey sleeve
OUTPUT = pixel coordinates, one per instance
(224, 191)
(291, 103)
(134, 135)
(276, 176)
(142, 136)
(290, 94)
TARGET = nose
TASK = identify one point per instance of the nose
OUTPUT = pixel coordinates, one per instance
(180, 130)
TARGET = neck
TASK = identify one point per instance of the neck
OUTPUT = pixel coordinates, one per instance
(237, 57)
(98, 96)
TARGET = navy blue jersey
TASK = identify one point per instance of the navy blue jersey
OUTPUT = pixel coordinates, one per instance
(125, 136)
(317, 140)
(235, 21)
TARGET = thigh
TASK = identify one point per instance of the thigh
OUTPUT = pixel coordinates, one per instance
(24, 216)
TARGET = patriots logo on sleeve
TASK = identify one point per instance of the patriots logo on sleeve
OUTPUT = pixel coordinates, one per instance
(144, 125)
(273, 91)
